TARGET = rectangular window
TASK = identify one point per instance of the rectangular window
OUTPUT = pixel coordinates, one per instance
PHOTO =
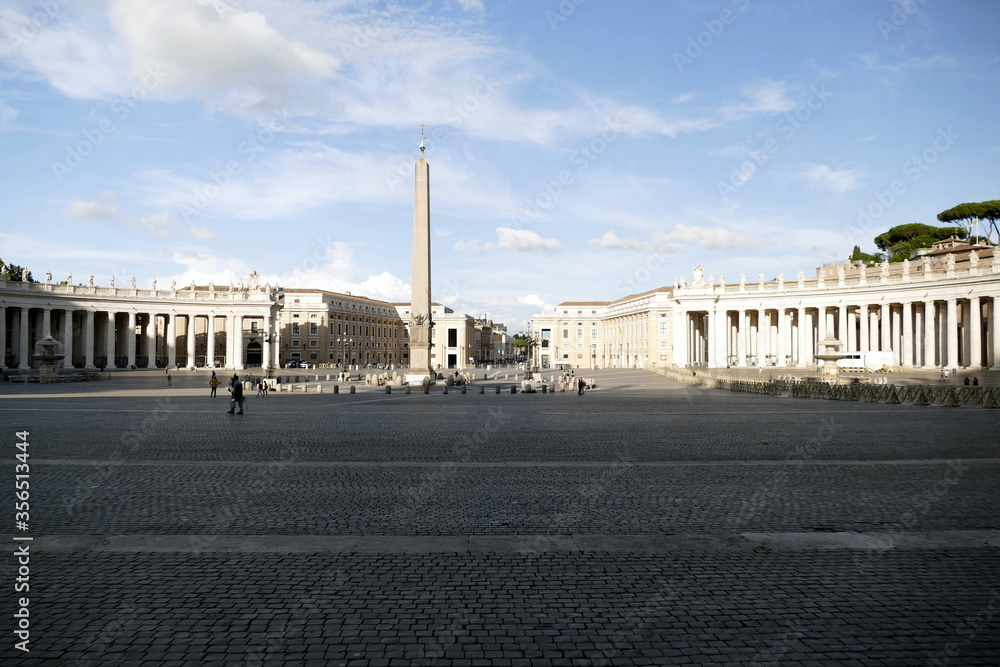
(664, 343)
(296, 343)
(295, 328)
(452, 337)
(579, 333)
(314, 343)
(565, 333)
(313, 329)
(664, 328)
(593, 333)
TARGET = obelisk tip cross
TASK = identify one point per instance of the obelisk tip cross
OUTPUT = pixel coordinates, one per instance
(422, 126)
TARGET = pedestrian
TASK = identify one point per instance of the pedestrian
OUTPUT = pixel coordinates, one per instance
(170, 380)
(975, 382)
(966, 381)
(581, 384)
(260, 388)
(214, 383)
(264, 384)
(236, 398)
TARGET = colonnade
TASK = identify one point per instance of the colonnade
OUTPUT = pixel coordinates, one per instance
(953, 332)
(94, 338)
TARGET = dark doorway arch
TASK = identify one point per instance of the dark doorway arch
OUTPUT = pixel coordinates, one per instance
(255, 354)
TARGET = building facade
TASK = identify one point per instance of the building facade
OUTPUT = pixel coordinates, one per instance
(939, 311)
(114, 327)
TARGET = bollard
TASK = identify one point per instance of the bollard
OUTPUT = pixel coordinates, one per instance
(352, 389)
(463, 388)
(484, 375)
(445, 389)
(562, 387)
(513, 389)
(336, 388)
(545, 388)
(427, 389)
(482, 389)
(319, 389)
(327, 377)
(388, 389)
(407, 389)
(498, 389)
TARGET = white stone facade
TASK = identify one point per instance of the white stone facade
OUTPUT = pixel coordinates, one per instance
(115, 327)
(942, 311)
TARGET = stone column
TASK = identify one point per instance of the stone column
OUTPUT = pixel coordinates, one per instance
(151, 341)
(975, 334)
(885, 320)
(238, 342)
(23, 360)
(842, 334)
(906, 358)
(864, 329)
(88, 341)
(994, 326)
(46, 323)
(783, 341)
(3, 336)
(951, 334)
(930, 339)
(851, 345)
(210, 336)
(171, 341)
(67, 339)
(230, 341)
(821, 332)
(109, 340)
(873, 337)
(190, 339)
(800, 359)
(743, 338)
(896, 339)
(266, 347)
(130, 340)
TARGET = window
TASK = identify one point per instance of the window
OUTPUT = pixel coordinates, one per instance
(295, 328)
(664, 343)
(579, 333)
(314, 343)
(296, 343)
(664, 328)
(313, 329)
(593, 333)
(565, 334)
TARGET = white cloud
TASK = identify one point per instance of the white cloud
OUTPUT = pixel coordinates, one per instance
(161, 224)
(203, 233)
(611, 240)
(764, 96)
(820, 176)
(215, 52)
(524, 240)
(89, 210)
(442, 233)
(535, 300)
(470, 5)
(709, 238)
(473, 245)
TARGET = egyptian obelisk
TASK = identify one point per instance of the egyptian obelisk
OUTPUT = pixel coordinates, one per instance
(420, 302)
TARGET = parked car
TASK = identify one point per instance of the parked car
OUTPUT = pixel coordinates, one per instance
(292, 363)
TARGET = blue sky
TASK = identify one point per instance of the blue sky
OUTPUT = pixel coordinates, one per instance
(579, 149)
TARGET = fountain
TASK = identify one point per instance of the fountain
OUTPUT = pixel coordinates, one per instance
(831, 371)
(48, 352)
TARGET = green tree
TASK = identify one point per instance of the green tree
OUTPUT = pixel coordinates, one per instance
(986, 211)
(14, 272)
(902, 240)
(858, 256)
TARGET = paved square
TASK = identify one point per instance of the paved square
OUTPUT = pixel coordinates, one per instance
(645, 523)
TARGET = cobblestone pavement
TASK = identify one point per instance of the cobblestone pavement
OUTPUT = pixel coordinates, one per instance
(645, 523)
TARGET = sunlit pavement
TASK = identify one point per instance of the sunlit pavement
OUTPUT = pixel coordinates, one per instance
(645, 522)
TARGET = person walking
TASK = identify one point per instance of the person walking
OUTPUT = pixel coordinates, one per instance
(170, 380)
(260, 388)
(237, 396)
(214, 383)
